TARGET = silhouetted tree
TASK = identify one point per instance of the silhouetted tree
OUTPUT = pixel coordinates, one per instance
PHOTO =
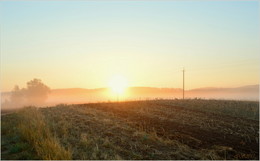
(36, 92)
(17, 96)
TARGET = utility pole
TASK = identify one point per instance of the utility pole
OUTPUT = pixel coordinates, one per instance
(183, 83)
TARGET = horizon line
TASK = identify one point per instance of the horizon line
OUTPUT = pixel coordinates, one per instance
(149, 87)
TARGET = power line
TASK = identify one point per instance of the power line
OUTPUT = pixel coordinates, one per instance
(223, 66)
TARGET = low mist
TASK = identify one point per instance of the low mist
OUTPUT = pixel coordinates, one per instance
(38, 94)
(35, 94)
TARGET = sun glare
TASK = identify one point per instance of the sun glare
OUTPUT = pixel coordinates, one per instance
(118, 84)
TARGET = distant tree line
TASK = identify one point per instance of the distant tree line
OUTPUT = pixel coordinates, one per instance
(35, 93)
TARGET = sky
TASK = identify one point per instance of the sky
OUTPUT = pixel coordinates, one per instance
(84, 44)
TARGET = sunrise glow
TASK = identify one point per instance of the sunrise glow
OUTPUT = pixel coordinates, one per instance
(118, 84)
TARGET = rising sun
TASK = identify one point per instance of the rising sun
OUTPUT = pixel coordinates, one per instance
(118, 84)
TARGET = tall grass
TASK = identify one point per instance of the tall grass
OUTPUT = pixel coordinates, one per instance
(34, 129)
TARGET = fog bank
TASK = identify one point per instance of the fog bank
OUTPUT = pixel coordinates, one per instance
(79, 95)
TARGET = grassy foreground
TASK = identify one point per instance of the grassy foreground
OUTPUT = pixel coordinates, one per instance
(159, 129)
(28, 131)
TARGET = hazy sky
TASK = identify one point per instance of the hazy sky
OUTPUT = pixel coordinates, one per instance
(84, 43)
